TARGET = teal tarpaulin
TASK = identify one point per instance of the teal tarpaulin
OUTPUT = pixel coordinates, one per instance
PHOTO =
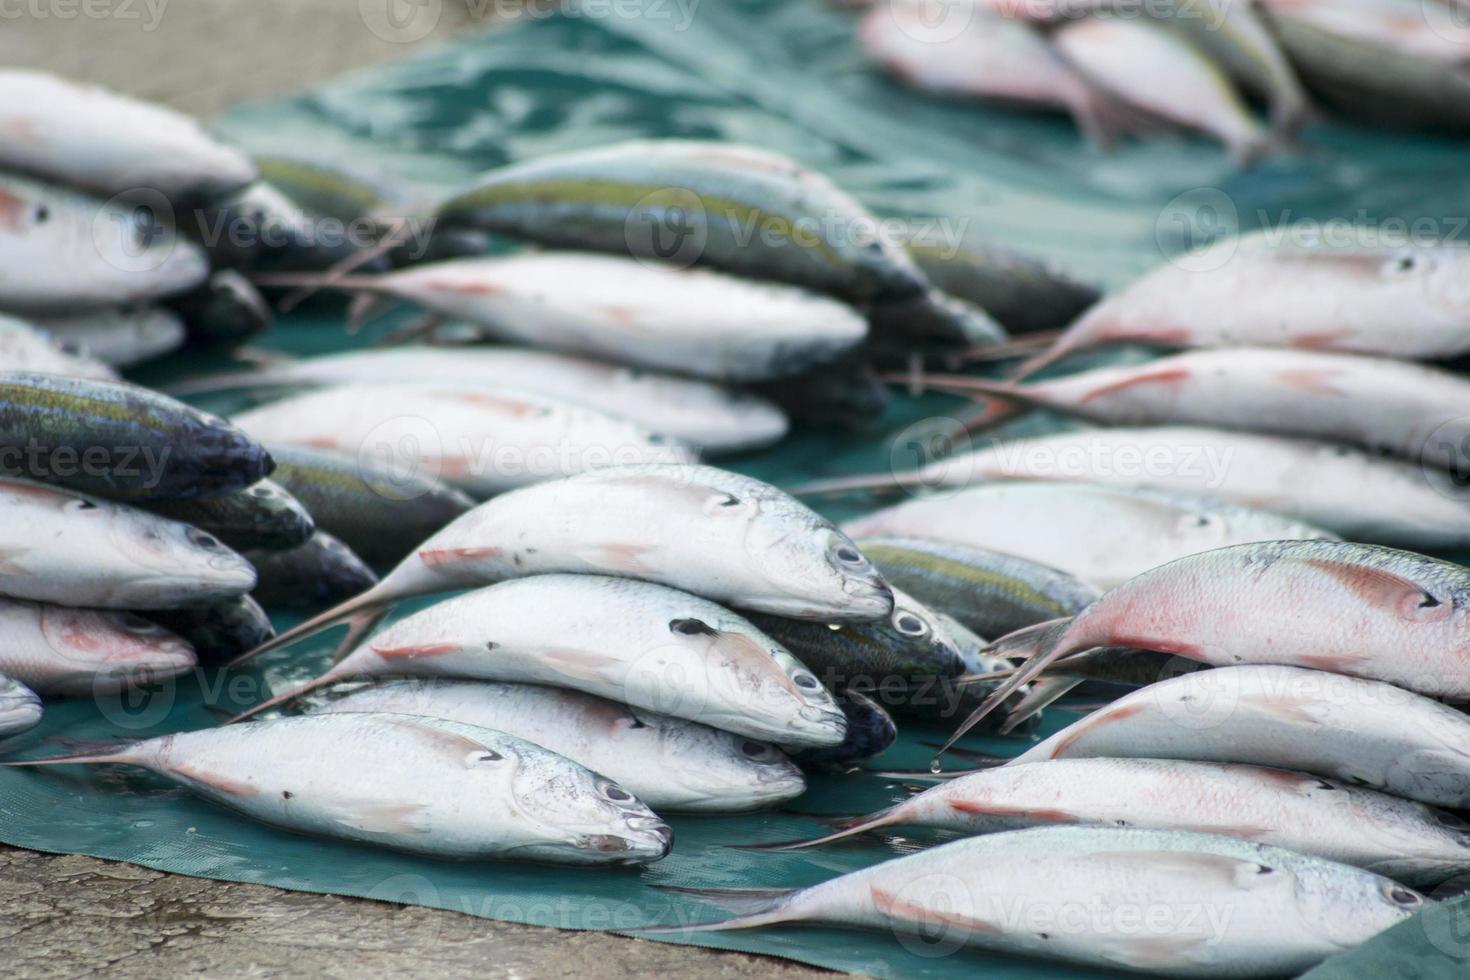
(784, 75)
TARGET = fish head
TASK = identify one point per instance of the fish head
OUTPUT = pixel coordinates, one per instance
(100, 651)
(279, 513)
(175, 564)
(870, 731)
(1347, 906)
(136, 237)
(720, 771)
(583, 817)
(1437, 276)
(20, 707)
(815, 572)
(926, 643)
(228, 459)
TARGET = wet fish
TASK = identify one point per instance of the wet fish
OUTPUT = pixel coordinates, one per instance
(870, 732)
(109, 143)
(330, 188)
(933, 320)
(1396, 838)
(1276, 912)
(120, 440)
(262, 516)
(224, 312)
(704, 415)
(1025, 294)
(1355, 609)
(1103, 535)
(727, 537)
(63, 547)
(1395, 62)
(121, 337)
(1347, 491)
(24, 347)
(1267, 290)
(262, 229)
(630, 311)
(20, 708)
(1148, 65)
(484, 441)
(380, 512)
(220, 631)
(748, 211)
(58, 651)
(1408, 410)
(991, 593)
(1360, 732)
(668, 763)
(644, 645)
(62, 251)
(316, 575)
(846, 394)
(961, 50)
(437, 787)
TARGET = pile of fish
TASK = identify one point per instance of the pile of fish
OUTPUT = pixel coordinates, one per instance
(604, 631)
(1139, 66)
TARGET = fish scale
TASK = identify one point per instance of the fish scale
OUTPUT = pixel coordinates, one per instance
(56, 650)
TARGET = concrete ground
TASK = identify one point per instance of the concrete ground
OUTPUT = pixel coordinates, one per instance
(72, 917)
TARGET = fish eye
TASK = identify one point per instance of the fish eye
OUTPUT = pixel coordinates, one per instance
(137, 624)
(691, 627)
(1448, 819)
(43, 214)
(80, 504)
(484, 756)
(205, 541)
(1402, 896)
(804, 680)
(614, 792)
(754, 750)
(910, 625)
(849, 555)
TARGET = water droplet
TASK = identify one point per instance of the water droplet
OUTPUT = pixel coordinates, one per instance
(934, 766)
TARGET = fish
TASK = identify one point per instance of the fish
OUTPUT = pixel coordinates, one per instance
(62, 251)
(730, 538)
(1148, 65)
(24, 347)
(331, 188)
(120, 440)
(1101, 534)
(990, 592)
(630, 311)
(1347, 491)
(20, 708)
(1357, 609)
(484, 441)
(1113, 665)
(748, 211)
(120, 337)
(262, 229)
(1276, 912)
(1412, 411)
(960, 50)
(933, 320)
(68, 548)
(846, 394)
(380, 512)
(1392, 62)
(58, 651)
(709, 417)
(668, 763)
(109, 143)
(438, 787)
(870, 732)
(647, 646)
(220, 631)
(1356, 731)
(1352, 291)
(1399, 839)
(224, 312)
(262, 516)
(1023, 293)
(312, 576)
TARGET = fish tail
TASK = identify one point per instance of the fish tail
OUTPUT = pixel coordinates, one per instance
(1013, 348)
(330, 677)
(847, 827)
(316, 280)
(1042, 694)
(875, 482)
(752, 907)
(943, 775)
(1003, 400)
(85, 753)
(224, 381)
(394, 235)
(1025, 642)
(369, 606)
(1047, 643)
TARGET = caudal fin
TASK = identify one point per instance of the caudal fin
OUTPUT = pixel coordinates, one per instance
(1042, 694)
(872, 482)
(753, 907)
(332, 675)
(85, 753)
(1003, 400)
(395, 235)
(359, 614)
(847, 828)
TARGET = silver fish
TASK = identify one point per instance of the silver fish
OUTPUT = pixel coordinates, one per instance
(704, 415)
(1361, 732)
(668, 763)
(20, 708)
(484, 441)
(59, 651)
(109, 143)
(629, 311)
(119, 336)
(24, 347)
(424, 785)
(728, 537)
(61, 251)
(1355, 609)
(1406, 841)
(1275, 912)
(641, 644)
(1023, 293)
(63, 547)
(1103, 535)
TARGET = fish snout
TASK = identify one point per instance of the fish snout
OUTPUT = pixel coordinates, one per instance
(644, 839)
(816, 726)
(20, 710)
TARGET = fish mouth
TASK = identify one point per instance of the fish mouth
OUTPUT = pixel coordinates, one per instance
(19, 715)
(643, 840)
(815, 727)
(221, 579)
(869, 597)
